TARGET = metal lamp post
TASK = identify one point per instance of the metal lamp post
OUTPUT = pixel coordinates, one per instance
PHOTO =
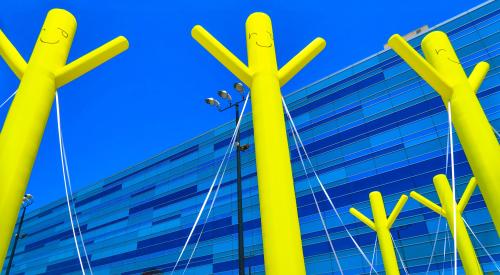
(27, 201)
(239, 148)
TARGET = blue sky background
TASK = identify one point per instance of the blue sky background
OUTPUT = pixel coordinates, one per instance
(151, 97)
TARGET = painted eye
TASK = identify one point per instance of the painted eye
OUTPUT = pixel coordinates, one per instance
(270, 35)
(250, 35)
(64, 33)
(440, 50)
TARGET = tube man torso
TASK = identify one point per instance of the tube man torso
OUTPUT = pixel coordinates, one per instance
(25, 123)
(382, 224)
(447, 209)
(279, 218)
(441, 68)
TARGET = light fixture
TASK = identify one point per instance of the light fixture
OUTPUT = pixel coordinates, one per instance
(212, 102)
(27, 200)
(224, 94)
(244, 147)
(238, 86)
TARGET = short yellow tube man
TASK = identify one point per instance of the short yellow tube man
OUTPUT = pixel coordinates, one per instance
(278, 208)
(464, 244)
(23, 129)
(444, 73)
(382, 224)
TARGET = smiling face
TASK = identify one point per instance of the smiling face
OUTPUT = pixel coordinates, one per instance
(55, 39)
(264, 40)
(260, 43)
(53, 36)
(440, 54)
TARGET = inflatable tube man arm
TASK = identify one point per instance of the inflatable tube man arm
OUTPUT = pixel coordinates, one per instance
(90, 61)
(469, 190)
(428, 203)
(364, 219)
(397, 209)
(11, 56)
(300, 60)
(221, 53)
(390, 220)
(420, 65)
(478, 74)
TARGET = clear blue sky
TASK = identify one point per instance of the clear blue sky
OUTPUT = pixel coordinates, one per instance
(151, 97)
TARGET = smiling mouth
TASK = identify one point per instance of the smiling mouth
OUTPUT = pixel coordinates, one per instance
(48, 42)
(264, 46)
(454, 61)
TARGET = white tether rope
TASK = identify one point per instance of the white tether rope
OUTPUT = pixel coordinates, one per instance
(206, 219)
(399, 256)
(494, 130)
(444, 246)
(482, 246)
(316, 203)
(323, 187)
(232, 145)
(450, 124)
(440, 217)
(228, 150)
(374, 255)
(74, 206)
(434, 245)
(7, 100)
(447, 154)
(66, 183)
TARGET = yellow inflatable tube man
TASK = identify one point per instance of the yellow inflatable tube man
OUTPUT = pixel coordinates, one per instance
(382, 224)
(23, 129)
(448, 204)
(444, 73)
(278, 208)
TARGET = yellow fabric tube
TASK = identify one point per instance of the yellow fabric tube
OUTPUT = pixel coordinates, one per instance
(382, 225)
(464, 244)
(441, 68)
(280, 223)
(278, 207)
(469, 190)
(11, 56)
(427, 203)
(25, 123)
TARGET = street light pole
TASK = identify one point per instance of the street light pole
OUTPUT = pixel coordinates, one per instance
(241, 245)
(239, 148)
(27, 201)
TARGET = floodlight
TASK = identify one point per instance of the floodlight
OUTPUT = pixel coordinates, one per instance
(224, 94)
(212, 102)
(238, 86)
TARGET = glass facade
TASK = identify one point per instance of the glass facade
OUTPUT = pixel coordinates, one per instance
(374, 126)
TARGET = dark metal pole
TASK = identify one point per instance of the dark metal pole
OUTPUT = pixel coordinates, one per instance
(213, 102)
(7, 271)
(241, 247)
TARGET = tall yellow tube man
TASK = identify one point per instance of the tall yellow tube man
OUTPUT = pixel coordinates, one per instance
(278, 208)
(382, 224)
(464, 244)
(443, 71)
(23, 129)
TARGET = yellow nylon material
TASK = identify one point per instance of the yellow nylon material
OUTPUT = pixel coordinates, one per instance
(381, 225)
(464, 245)
(441, 68)
(25, 123)
(280, 224)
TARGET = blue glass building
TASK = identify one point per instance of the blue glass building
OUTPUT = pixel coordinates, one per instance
(374, 126)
